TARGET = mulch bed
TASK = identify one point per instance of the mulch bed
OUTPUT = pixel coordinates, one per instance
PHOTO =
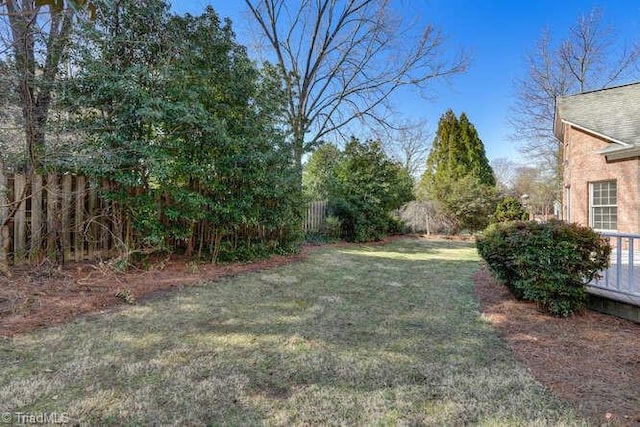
(591, 360)
(46, 295)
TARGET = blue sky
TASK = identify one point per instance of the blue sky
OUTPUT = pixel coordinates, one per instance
(497, 33)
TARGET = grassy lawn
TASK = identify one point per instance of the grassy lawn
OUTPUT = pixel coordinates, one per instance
(362, 335)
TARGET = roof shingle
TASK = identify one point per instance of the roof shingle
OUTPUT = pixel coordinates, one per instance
(613, 113)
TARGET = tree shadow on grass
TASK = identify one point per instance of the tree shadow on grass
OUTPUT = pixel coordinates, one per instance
(374, 340)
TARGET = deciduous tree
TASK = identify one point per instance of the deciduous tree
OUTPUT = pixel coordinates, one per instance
(592, 56)
(39, 32)
(408, 143)
(341, 60)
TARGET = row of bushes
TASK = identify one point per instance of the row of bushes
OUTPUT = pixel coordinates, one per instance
(549, 263)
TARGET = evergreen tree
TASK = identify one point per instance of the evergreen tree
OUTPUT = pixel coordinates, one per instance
(458, 174)
(475, 161)
(441, 157)
(189, 132)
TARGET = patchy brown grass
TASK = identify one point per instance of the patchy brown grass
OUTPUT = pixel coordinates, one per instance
(393, 337)
(47, 295)
(592, 361)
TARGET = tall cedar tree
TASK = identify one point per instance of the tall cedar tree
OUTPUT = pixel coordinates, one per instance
(457, 152)
(458, 174)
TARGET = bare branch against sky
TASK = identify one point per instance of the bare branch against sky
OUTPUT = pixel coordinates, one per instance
(591, 57)
(343, 59)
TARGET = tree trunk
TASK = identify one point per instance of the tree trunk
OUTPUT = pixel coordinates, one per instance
(36, 97)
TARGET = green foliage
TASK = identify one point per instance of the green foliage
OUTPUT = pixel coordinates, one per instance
(474, 160)
(318, 172)
(469, 204)
(329, 232)
(362, 219)
(510, 209)
(549, 263)
(366, 187)
(189, 130)
(332, 227)
(458, 175)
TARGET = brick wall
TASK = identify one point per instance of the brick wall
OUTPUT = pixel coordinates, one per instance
(583, 164)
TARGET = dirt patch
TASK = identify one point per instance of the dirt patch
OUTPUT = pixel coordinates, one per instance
(591, 360)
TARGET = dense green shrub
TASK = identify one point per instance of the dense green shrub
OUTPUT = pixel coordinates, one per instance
(188, 132)
(366, 187)
(510, 209)
(329, 232)
(362, 220)
(332, 227)
(549, 263)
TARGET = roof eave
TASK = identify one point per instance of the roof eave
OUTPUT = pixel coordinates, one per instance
(596, 133)
(621, 153)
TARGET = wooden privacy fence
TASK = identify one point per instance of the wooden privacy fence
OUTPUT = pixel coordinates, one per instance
(63, 218)
(54, 215)
(316, 214)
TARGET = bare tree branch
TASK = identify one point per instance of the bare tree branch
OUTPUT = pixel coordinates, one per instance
(36, 43)
(341, 61)
(592, 57)
(408, 143)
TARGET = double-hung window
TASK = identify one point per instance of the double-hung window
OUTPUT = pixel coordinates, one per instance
(603, 205)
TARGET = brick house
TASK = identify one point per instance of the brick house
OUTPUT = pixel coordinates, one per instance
(600, 133)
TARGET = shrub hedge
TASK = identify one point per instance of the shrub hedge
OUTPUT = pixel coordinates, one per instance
(549, 263)
(509, 209)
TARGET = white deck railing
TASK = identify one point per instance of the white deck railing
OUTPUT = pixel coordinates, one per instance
(621, 281)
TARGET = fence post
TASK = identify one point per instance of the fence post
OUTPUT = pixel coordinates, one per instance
(66, 212)
(19, 219)
(53, 224)
(36, 217)
(4, 228)
(79, 219)
(93, 228)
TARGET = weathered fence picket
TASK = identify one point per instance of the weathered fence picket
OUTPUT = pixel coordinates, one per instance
(64, 218)
(4, 227)
(20, 219)
(316, 214)
(37, 226)
(52, 216)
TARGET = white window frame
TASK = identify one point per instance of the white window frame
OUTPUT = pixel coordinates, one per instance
(608, 205)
